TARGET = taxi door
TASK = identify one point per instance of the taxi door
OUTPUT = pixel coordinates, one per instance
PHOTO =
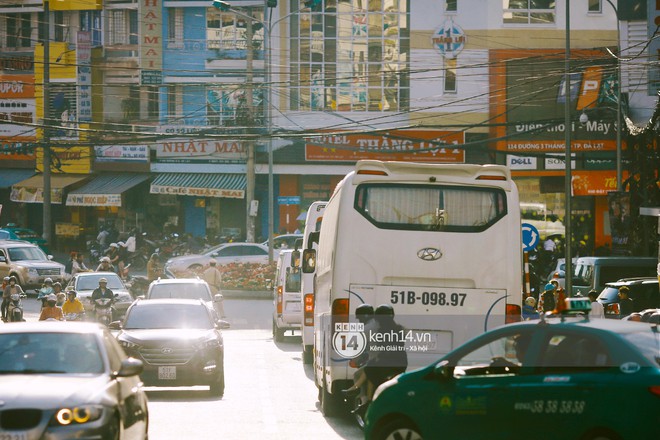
(477, 402)
(571, 377)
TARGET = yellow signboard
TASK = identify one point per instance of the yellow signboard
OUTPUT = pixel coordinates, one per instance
(67, 229)
(69, 160)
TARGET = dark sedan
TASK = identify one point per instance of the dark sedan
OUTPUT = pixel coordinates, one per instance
(68, 381)
(178, 340)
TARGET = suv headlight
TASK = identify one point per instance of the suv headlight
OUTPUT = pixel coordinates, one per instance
(77, 415)
(33, 271)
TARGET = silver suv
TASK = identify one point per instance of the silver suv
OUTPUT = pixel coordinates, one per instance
(28, 263)
(186, 288)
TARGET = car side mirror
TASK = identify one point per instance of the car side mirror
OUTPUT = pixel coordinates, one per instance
(50, 257)
(130, 367)
(443, 370)
(214, 254)
(115, 325)
(309, 261)
(222, 324)
(217, 298)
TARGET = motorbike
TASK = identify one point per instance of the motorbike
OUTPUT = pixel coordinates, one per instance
(359, 400)
(15, 308)
(104, 310)
(95, 250)
(74, 317)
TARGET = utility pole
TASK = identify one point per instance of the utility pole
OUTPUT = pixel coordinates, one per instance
(249, 97)
(46, 127)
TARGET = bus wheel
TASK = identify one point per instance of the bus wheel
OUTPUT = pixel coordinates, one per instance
(278, 333)
(330, 404)
(308, 354)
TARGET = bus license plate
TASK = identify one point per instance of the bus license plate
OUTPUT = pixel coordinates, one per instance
(14, 435)
(167, 373)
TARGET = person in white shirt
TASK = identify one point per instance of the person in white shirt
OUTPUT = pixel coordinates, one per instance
(597, 310)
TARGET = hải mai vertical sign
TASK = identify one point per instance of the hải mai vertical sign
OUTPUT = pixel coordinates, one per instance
(151, 47)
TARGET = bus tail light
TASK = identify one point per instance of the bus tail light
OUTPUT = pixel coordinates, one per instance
(339, 311)
(513, 314)
(279, 300)
(309, 309)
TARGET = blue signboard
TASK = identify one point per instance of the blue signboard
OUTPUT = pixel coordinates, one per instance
(288, 200)
(530, 237)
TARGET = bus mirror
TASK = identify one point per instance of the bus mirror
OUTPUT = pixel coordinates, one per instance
(309, 261)
(313, 238)
(295, 258)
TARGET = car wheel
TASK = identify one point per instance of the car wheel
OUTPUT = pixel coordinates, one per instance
(398, 429)
(113, 430)
(278, 333)
(217, 388)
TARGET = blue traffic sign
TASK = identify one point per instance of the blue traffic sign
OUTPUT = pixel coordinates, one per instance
(530, 237)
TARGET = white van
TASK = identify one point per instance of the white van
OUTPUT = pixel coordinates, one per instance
(440, 243)
(286, 294)
(310, 240)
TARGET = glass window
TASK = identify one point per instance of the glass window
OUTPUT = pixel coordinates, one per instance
(503, 355)
(91, 282)
(19, 32)
(163, 316)
(27, 253)
(595, 6)
(122, 26)
(183, 291)
(646, 342)
(529, 11)
(451, 5)
(292, 282)
(430, 208)
(91, 21)
(450, 75)
(226, 32)
(566, 352)
(175, 27)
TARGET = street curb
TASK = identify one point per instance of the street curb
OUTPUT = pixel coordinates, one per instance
(247, 294)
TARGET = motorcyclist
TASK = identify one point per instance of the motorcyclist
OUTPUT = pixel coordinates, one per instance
(105, 265)
(51, 310)
(102, 291)
(45, 290)
(72, 305)
(364, 313)
(12, 287)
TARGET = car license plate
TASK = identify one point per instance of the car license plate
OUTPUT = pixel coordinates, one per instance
(167, 373)
(15, 435)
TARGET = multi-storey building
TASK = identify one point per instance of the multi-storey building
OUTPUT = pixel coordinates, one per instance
(173, 101)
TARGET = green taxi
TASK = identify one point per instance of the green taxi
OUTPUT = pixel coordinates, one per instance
(557, 378)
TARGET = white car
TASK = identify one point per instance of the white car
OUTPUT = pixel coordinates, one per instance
(84, 284)
(223, 254)
(185, 288)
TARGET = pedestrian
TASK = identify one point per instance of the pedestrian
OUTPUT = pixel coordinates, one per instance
(597, 310)
(121, 259)
(51, 310)
(626, 306)
(11, 288)
(213, 277)
(68, 267)
(130, 245)
(154, 268)
(102, 238)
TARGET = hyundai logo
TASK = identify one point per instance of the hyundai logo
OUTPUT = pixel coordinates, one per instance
(166, 350)
(429, 254)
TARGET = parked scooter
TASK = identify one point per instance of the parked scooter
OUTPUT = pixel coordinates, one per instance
(15, 308)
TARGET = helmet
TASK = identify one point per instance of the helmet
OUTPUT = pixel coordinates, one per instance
(364, 309)
(103, 280)
(384, 310)
(121, 243)
(48, 281)
(155, 256)
(548, 287)
(212, 262)
(105, 260)
(5, 279)
(72, 292)
(530, 301)
(51, 297)
(57, 283)
(114, 245)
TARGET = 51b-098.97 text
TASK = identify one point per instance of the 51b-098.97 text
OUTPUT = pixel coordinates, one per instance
(428, 298)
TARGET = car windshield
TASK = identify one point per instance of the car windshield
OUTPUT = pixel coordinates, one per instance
(609, 294)
(50, 353)
(164, 316)
(180, 290)
(26, 253)
(647, 343)
(91, 282)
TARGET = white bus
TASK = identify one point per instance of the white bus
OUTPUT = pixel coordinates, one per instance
(440, 243)
(310, 240)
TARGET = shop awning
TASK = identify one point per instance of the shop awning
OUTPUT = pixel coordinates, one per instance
(200, 185)
(104, 190)
(10, 177)
(31, 190)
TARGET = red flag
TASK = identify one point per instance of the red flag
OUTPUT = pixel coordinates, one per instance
(560, 305)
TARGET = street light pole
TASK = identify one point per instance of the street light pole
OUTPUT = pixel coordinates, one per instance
(269, 121)
(46, 127)
(567, 132)
(619, 127)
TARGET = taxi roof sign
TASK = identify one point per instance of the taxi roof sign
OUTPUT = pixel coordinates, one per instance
(578, 305)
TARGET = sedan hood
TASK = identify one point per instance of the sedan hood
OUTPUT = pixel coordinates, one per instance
(173, 336)
(50, 391)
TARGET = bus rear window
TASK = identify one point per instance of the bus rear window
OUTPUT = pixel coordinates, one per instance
(430, 207)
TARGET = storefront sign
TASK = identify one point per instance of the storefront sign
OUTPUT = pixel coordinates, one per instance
(558, 162)
(194, 127)
(17, 104)
(198, 192)
(204, 150)
(406, 145)
(520, 162)
(70, 160)
(23, 194)
(17, 150)
(67, 229)
(594, 183)
(288, 200)
(121, 153)
(15, 63)
(83, 59)
(449, 39)
(151, 44)
(93, 200)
